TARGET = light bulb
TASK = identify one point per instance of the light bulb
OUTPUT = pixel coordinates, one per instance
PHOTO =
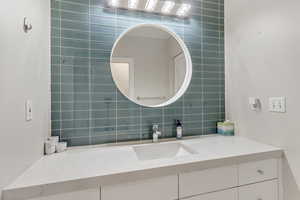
(167, 7)
(183, 10)
(150, 5)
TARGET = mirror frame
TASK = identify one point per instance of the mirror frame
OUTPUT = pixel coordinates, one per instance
(189, 65)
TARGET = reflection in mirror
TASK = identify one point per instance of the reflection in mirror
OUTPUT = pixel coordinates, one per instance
(149, 65)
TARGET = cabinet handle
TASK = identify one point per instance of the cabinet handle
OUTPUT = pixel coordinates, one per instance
(260, 172)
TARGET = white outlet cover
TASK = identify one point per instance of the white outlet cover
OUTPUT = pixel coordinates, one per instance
(277, 104)
(254, 103)
(28, 110)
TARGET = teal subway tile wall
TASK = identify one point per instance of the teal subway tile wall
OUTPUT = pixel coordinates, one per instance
(86, 106)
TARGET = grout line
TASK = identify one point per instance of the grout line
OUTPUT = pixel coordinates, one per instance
(90, 81)
(60, 77)
(202, 84)
(220, 65)
(145, 130)
(78, 39)
(133, 117)
(116, 90)
(192, 14)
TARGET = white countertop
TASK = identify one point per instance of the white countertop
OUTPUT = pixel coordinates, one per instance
(91, 167)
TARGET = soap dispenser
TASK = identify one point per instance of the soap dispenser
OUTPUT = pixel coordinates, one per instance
(178, 129)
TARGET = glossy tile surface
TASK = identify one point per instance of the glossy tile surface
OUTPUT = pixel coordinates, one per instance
(87, 108)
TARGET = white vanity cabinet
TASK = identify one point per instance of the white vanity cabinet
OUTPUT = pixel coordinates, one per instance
(255, 180)
(162, 188)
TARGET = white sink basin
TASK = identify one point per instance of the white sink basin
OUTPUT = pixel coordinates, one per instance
(161, 151)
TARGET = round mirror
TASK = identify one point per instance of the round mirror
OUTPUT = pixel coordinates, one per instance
(151, 65)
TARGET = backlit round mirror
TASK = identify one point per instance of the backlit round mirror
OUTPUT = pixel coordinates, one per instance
(151, 65)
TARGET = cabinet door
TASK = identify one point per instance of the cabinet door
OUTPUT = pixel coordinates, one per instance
(91, 194)
(258, 171)
(209, 180)
(163, 188)
(222, 195)
(260, 191)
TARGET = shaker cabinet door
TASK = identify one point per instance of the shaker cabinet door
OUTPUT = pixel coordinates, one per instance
(163, 188)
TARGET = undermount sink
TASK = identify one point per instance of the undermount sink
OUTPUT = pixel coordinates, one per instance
(161, 151)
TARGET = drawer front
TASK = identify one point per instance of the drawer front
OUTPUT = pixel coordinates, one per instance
(267, 190)
(231, 194)
(209, 180)
(162, 188)
(257, 171)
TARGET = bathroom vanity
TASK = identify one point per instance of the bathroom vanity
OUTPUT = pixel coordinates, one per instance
(202, 168)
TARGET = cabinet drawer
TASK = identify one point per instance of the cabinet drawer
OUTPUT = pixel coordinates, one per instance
(267, 190)
(222, 195)
(209, 180)
(257, 171)
(162, 188)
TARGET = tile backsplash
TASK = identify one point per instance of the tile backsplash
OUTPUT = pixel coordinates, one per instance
(86, 106)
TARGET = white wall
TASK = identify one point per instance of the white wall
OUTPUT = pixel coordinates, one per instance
(263, 60)
(24, 74)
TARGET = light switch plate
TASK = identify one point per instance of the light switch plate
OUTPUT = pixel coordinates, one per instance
(28, 110)
(277, 104)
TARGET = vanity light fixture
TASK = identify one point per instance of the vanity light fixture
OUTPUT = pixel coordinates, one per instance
(167, 7)
(133, 4)
(183, 10)
(150, 5)
(162, 7)
(113, 3)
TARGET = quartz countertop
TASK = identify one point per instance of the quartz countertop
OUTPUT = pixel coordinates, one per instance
(91, 167)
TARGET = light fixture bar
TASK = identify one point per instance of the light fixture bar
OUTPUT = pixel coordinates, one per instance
(133, 4)
(150, 5)
(167, 7)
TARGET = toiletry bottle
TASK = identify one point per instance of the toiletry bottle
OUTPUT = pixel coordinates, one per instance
(178, 129)
(226, 128)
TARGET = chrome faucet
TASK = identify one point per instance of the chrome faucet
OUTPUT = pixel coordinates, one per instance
(156, 133)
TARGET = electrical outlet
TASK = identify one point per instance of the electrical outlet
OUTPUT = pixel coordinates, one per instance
(254, 103)
(277, 104)
(28, 110)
